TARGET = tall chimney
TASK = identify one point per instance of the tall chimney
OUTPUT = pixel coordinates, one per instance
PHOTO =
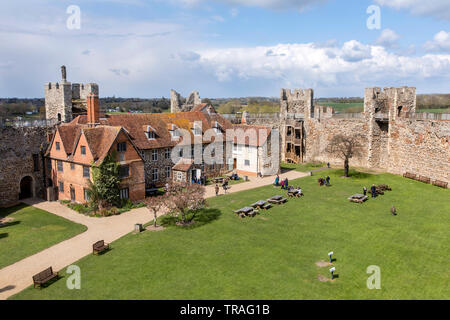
(63, 73)
(93, 110)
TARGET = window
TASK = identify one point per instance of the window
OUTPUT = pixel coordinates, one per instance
(121, 147)
(168, 171)
(86, 172)
(155, 174)
(154, 155)
(180, 176)
(124, 193)
(197, 130)
(167, 153)
(180, 153)
(151, 135)
(83, 150)
(86, 194)
(218, 130)
(247, 163)
(121, 156)
(61, 187)
(72, 166)
(235, 147)
(124, 171)
(49, 164)
(36, 162)
(58, 146)
(60, 166)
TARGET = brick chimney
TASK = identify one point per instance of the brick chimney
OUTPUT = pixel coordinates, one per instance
(93, 110)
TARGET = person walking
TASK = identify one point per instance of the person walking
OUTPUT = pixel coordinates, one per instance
(217, 189)
(328, 180)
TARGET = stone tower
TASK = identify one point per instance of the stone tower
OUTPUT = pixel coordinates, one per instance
(65, 100)
(179, 104)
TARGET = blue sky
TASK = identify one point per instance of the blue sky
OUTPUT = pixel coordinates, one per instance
(225, 48)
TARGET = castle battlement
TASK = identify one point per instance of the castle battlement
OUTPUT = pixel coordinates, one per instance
(296, 95)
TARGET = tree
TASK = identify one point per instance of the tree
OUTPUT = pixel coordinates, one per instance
(155, 204)
(105, 188)
(184, 198)
(345, 147)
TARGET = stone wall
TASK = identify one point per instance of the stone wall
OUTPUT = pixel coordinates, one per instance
(180, 104)
(18, 145)
(421, 147)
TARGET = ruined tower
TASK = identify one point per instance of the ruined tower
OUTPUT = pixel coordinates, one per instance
(180, 104)
(65, 100)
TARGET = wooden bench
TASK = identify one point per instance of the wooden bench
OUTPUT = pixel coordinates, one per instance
(43, 277)
(424, 179)
(99, 247)
(266, 206)
(439, 183)
(409, 175)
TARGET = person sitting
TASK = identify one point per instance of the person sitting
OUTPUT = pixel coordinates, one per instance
(299, 192)
(320, 181)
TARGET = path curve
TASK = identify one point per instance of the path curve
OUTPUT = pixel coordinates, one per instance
(18, 276)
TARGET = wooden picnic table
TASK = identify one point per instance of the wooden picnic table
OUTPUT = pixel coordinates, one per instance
(259, 204)
(246, 211)
(276, 197)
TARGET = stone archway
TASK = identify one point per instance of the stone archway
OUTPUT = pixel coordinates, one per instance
(26, 188)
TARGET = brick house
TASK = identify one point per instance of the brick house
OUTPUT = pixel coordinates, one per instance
(156, 135)
(75, 148)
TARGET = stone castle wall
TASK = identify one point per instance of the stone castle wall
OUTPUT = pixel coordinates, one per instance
(18, 145)
(180, 104)
(394, 138)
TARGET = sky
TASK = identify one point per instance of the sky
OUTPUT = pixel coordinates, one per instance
(225, 48)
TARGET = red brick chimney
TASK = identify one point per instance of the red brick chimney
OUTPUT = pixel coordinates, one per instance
(93, 109)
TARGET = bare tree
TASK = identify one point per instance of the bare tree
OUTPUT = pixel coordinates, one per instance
(155, 204)
(184, 198)
(345, 147)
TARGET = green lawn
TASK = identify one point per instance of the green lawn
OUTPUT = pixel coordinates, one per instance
(273, 255)
(303, 167)
(437, 110)
(30, 231)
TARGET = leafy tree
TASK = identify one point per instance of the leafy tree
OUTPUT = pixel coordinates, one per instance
(105, 188)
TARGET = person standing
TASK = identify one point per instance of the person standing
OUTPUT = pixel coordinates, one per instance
(328, 180)
(394, 211)
(286, 183)
(217, 189)
(365, 190)
(373, 190)
(282, 184)
(277, 181)
(328, 165)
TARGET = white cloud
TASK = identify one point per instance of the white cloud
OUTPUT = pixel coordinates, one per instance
(270, 4)
(388, 38)
(306, 65)
(435, 8)
(440, 42)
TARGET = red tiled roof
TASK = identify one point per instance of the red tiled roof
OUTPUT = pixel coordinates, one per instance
(183, 165)
(161, 122)
(100, 140)
(68, 134)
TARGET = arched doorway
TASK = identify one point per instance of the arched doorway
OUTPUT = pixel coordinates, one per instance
(26, 188)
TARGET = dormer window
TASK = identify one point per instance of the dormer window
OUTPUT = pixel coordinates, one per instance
(197, 130)
(174, 132)
(151, 133)
(217, 127)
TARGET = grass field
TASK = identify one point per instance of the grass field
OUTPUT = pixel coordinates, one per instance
(30, 231)
(273, 256)
(345, 107)
(303, 167)
(435, 110)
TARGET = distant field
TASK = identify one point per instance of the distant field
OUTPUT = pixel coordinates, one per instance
(435, 110)
(352, 107)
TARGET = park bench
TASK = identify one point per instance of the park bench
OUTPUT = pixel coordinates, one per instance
(424, 179)
(409, 175)
(99, 247)
(43, 277)
(440, 183)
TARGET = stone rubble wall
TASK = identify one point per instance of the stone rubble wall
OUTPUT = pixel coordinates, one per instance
(16, 161)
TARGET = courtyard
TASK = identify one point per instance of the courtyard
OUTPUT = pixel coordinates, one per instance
(274, 255)
(27, 230)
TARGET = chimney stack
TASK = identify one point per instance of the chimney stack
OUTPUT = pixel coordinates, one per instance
(93, 109)
(63, 73)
